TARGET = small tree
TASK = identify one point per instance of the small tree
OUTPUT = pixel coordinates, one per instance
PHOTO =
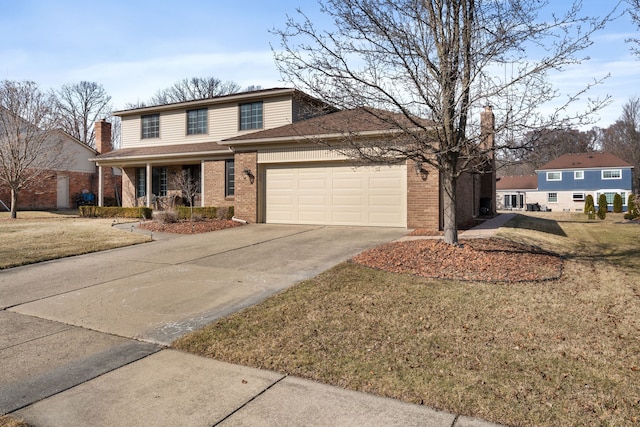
(589, 207)
(617, 203)
(632, 209)
(30, 146)
(187, 186)
(602, 206)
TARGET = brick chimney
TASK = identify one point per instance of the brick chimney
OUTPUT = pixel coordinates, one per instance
(487, 125)
(103, 136)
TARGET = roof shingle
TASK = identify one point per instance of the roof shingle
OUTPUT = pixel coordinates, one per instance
(585, 161)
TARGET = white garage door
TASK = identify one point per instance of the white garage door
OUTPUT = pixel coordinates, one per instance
(337, 195)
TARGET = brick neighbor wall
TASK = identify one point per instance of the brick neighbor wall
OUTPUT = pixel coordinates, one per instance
(468, 198)
(423, 197)
(246, 197)
(43, 193)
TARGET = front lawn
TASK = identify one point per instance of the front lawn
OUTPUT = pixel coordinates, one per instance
(563, 352)
(40, 236)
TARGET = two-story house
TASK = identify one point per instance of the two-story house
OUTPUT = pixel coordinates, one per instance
(564, 183)
(259, 152)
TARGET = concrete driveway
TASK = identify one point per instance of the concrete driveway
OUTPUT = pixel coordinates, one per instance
(82, 340)
(159, 291)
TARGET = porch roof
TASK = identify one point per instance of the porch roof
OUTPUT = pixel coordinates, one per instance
(164, 152)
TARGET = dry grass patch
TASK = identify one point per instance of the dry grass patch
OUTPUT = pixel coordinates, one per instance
(41, 236)
(547, 353)
(7, 421)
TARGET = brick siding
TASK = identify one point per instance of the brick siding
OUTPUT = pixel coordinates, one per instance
(246, 198)
(423, 198)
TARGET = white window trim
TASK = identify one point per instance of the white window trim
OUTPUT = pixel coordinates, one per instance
(559, 179)
(611, 170)
(579, 199)
(548, 197)
(575, 175)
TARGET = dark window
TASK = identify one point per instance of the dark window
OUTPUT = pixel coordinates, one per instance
(150, 126)
(159, 181)
(251, 116)
(229, 178)
(193, 173)
(197, 122)
(141, 182)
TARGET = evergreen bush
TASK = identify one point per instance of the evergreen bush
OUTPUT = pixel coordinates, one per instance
(115, 212)
(589, 207)
(617, 203)
(602, 206)
(632, 208)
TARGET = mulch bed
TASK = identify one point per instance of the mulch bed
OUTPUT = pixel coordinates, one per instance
(187, 227)
(488, 260)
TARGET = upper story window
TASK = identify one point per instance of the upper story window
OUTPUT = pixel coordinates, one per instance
(197, 121)
(150, 126)
(578, 174)
(554, 176)
(612, 174)
(251, 116)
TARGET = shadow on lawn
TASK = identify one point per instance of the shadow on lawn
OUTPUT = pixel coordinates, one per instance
(536, 224)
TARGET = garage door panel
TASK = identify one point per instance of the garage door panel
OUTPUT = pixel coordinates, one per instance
(336, 194)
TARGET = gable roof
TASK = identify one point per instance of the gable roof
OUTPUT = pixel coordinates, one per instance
(519, 182)
(232, 97)
(586, 161)
(359, 120)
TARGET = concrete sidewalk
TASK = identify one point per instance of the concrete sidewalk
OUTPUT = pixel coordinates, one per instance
(82, 340)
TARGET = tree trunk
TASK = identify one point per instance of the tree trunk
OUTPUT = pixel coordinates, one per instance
(449, 184)
(14, 203)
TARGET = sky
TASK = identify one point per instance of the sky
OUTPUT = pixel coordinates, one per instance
(133, 48)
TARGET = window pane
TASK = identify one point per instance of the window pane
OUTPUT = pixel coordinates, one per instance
(150, 126)
(578, 175)
(230, 177)
(251, 116)
(612, 174)
(552, 197)
(554, 176)
(197, 122)
(141, 182)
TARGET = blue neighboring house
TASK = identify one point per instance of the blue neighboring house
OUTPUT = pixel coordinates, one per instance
(564, 183)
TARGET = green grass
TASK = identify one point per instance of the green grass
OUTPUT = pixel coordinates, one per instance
(554, 353)
(42, 236)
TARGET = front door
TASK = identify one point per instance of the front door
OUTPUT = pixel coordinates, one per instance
(63, 192)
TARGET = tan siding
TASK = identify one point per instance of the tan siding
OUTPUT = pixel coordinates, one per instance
(283, 155)
(223, 121)
(277, 112)
(223, 124)
(130, 132)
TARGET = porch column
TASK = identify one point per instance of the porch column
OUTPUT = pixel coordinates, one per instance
(202, 181)
(149, 185)
(100, 187)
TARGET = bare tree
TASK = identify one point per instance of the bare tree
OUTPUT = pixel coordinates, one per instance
(541, 146)
(440, 60)
(186, 185)
(634, 12)
(79, 106)
(623, 137)
(194, 88)
(30, 146)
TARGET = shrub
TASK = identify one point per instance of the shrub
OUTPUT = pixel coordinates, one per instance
(165, 217)
(633, 211)
(209, 212)
(589, 207)
(115, 212)
(617, 203)
(602, 206)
